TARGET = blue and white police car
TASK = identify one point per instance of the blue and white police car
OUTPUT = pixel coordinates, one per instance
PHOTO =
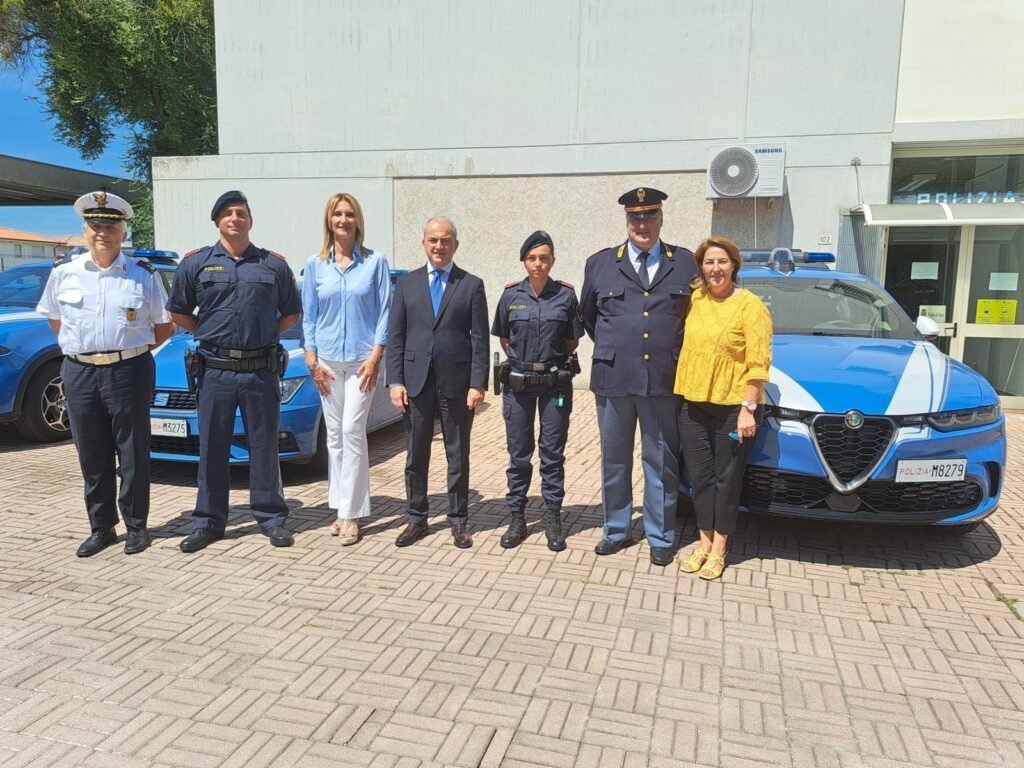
(31, 390)
(865, 419)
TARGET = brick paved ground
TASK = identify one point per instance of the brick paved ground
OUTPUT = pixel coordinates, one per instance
(821, 646)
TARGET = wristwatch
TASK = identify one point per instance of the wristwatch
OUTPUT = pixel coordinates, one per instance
(749, 405)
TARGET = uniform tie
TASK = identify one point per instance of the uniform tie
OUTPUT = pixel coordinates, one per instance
(645, 279)
(436, 291)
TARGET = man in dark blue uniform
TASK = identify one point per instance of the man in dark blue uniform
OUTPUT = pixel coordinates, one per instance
(633, 303)
(108, 312)
(537, 321)
(245, 297)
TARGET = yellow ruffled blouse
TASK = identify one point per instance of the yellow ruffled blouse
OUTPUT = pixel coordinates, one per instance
(727, 343)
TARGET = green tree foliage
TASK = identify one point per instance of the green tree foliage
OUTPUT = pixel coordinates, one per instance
(106, 64)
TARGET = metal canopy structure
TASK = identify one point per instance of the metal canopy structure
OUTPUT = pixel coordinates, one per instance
(941, 214)
(26, 182)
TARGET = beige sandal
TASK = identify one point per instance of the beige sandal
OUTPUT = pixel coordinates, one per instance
(347, 531)
(713, 567)
(693, 563)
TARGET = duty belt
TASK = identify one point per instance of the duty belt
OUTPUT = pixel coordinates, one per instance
(109, 358)
(519, 365)
(236, 354)
(249, 364)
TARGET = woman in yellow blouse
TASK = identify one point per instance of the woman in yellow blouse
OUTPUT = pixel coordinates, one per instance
(723, 367)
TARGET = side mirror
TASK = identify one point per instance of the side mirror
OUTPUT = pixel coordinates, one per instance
(927, 327)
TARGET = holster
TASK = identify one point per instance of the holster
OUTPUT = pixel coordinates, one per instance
(193, 369)
(501, 372)
(281, 360)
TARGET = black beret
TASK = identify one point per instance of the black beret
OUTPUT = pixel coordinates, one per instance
(540, 237)
(234, 196)
(642, 200)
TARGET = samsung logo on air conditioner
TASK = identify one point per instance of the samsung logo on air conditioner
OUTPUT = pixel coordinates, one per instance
(768, 150)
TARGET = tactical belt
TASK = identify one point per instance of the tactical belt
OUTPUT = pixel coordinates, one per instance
(247, 365)
(236, 354)
(519, 365)
(109, 358)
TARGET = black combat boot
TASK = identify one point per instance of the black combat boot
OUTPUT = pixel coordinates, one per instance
(553, 530)
(516, 531)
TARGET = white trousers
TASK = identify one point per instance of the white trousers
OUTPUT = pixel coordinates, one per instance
(346, 410)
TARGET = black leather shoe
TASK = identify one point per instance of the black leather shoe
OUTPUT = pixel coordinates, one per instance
(97, 542)
(280, 536)
(516, 532)
(553, 530)
(413, 532)
(661, 555)
(136, 541)
(605, 547)
(461, 537)
(199, 539)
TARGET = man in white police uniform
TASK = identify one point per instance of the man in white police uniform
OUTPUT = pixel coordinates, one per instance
(108, 312)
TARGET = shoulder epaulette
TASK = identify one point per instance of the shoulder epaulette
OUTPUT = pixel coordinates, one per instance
(567, 285)
(197, 250)
(275, 253)
(61, 260)
(513, 284)
(146, 266)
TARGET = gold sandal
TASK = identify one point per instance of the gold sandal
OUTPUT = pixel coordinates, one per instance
(693, 563)
(713, 567)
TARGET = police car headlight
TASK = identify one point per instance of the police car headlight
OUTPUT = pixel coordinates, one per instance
(948, 421)
(291, 387)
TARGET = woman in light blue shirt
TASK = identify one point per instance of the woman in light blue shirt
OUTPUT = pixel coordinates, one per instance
(346, 289)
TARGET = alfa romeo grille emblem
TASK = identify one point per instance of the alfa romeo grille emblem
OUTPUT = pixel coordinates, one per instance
(854, 419)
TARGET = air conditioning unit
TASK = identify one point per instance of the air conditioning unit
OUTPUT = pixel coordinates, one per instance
(746, 170)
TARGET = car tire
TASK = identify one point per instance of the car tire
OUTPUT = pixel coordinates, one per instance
(960, 530)
(44, 415)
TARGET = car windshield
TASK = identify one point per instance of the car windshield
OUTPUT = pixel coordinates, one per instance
(828, 306)
(23, 286)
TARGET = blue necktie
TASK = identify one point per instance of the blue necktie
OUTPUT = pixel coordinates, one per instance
(436, 291)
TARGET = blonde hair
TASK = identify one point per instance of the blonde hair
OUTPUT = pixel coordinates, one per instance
(332, 203)
(732, 251)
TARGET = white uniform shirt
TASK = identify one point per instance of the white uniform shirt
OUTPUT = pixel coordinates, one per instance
(653, 260)
(103, 310)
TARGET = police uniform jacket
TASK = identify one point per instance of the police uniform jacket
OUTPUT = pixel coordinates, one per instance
(637, 332)
(239, 302)
(104, 310)
(537, 327)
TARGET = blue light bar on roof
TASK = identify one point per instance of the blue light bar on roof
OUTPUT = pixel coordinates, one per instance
(819, 257)
(150, 253)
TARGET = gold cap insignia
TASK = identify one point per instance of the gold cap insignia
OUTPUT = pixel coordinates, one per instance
(641, 194)
(100, 198)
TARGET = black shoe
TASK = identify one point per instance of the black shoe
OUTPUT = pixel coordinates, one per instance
(661, 555)
(413, 532)
(553, 530)
(136, 541)
(199, 539)
(516, 532)
(279, 536)
(605, 547)
(97, 542)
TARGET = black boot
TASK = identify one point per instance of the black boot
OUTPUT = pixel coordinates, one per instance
(553, 530)
(516, 531)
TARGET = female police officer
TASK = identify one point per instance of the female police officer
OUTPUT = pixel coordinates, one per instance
(539, 328)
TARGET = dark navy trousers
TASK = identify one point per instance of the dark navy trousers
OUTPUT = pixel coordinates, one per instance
(258, 396)
(108, 406)
(520, 412)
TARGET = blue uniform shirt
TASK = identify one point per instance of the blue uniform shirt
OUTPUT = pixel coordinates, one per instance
(239, 302)
(103, 310)
(537, 327)
(345, 313)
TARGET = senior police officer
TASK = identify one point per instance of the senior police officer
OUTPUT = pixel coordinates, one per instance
(244, 298)
(108, 312)
(633, 303)
(538, 325)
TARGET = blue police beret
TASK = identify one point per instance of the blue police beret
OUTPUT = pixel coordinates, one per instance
(642, 201)
(234, 196)
(540, 237)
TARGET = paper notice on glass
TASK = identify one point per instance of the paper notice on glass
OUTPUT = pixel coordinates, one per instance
(1003, 281)
(924, 270)
(996, 312)
(936, 312)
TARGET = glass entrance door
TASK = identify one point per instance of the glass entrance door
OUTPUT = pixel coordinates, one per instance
(991, 313)
(921, 272)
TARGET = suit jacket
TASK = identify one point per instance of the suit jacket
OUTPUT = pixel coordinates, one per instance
(637, 333)
(457, 340)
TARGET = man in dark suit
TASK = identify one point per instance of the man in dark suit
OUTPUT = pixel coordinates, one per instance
(437, 353)
(633, 303)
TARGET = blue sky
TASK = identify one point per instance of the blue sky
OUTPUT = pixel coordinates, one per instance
(26, 132)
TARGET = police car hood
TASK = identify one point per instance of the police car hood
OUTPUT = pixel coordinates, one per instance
(170, 360)
(835, 374)
(16, 318)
